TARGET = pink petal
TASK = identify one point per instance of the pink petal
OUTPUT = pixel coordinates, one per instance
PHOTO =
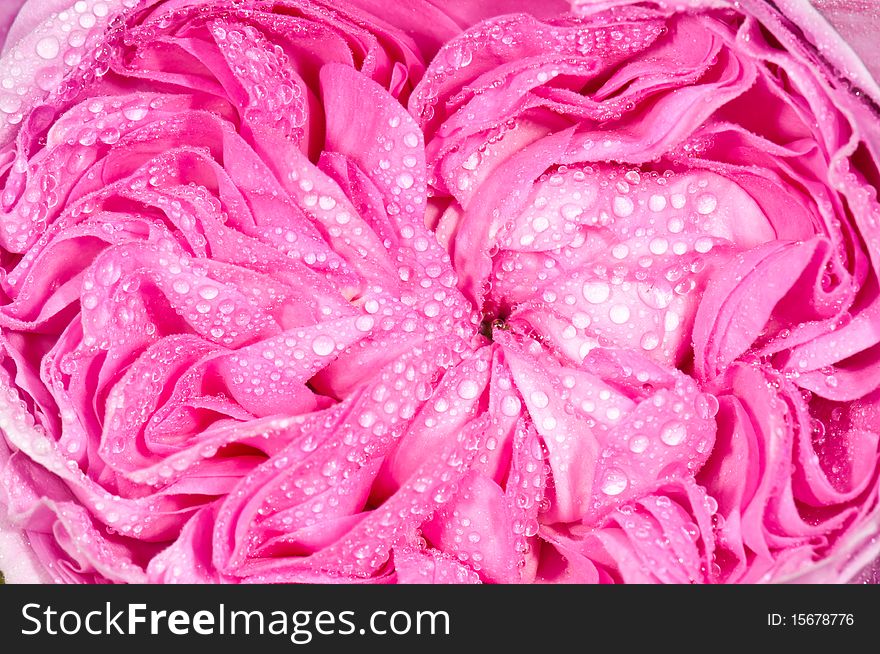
(430, 567)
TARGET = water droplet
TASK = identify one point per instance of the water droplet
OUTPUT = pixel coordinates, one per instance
(622, 206)
(510, 405)
(405, 180)
(48, 47)
(614, 482)
(323, 345)
(711, 505)
(706, 405)
(90, 300)
(673, 433)
(658, 246)
(411, 139)
(108, 273)
(703, 245)
(468, 389)
(620, 251)
(134, 113)
(657, 295)
(675, 225)
(472, 161)
(540, 224)
(109, 136)
(706, 203)
(619, 314)
(540, 399)
(638, 443)
(596, 292)
(650, 341)
(581, 320)
(657, 203)
(570, 211)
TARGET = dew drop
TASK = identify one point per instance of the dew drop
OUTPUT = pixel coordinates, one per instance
(673, 433)
(209, 292)
(675, 225)
(109, 136)
(510, 405)
(468, 389)
(364, 323)
(323, 345)
(706, 203)
(90, 300)
(622, 206)
(658, 246)
(134, 113)
(570, 211)
(540, 224)
(638, 443)
(657, 203)
(596, 292)
(581, 320)
(706, 405)
(9, 104)
(411, 139)
(48, 47)
(657, 295)
(405, 180)
(620, 251)
(540, 399)
(108, 273)
(650, 341)
(703, 245)
(619, 314)
(614, 482)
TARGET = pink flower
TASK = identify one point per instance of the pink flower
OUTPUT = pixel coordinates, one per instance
(669, 219)
(436, 292)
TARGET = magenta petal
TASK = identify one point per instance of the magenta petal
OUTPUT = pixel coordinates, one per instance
(454, 403)
(430, 567)
(739, 302)
(188, 559)
(365, 292)
(477, 528)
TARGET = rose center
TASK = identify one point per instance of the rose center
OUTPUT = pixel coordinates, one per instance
(496, 316)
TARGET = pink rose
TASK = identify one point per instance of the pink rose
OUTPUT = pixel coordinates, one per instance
(436, 292)
(668, 218)
(207, 212)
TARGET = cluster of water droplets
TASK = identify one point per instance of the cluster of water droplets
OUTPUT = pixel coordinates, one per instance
(660, 231)
(592, 257)
(571, 43)
(39, 63)
(277, 98)
(358, 395)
